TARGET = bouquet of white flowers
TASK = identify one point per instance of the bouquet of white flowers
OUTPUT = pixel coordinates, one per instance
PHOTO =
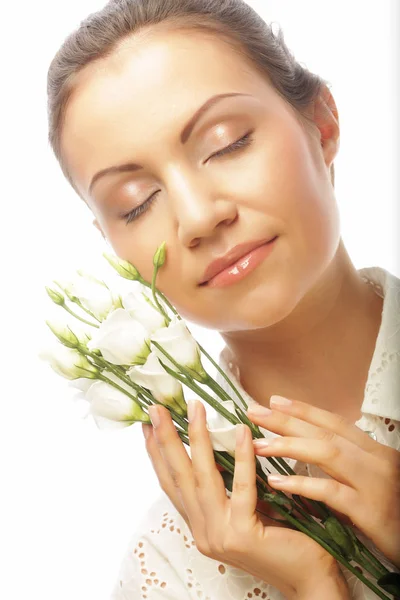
(137, 351)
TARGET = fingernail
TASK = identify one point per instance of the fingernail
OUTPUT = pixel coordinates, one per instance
(277, 478)
(279, 401)
(191, 410)
(261, 443)
(240, 434)
(146, 430)
(154, 415)
(259, 410)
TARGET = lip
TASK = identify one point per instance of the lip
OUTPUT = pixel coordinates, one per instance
(222, 264)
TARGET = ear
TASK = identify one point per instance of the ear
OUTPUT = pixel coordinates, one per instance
(96, 224)
(326, 118)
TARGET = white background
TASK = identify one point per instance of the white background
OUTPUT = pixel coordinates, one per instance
(72, 495)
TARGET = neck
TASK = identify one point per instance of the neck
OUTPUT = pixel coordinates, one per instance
(321, 352)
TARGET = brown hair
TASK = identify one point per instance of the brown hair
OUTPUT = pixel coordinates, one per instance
(232, 20)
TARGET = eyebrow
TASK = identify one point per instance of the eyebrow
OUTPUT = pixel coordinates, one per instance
(186, 132)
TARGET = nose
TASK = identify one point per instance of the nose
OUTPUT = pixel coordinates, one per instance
(200, 211)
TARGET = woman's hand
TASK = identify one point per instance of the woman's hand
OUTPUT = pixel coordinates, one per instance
(230, 529)
(366, 474)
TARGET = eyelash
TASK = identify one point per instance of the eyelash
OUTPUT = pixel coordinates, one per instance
(139, 210)
(244, 141)
(136, 212)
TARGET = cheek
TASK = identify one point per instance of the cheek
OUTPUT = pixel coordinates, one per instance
(316, 223)
(305, 201)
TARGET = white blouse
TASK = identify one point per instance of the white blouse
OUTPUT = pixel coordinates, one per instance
(162, 561)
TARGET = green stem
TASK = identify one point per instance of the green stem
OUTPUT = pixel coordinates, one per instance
(366, 563)
(382, 569)
(167, 302)
(79, 303)
(363, 554)
(196, 388)
(223, 374)
(224, 396)
(154, 292)
(116, 369)
(87, 311)
(78, 317)
(189, 382)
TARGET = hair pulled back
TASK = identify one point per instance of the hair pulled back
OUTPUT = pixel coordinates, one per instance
(234, 21)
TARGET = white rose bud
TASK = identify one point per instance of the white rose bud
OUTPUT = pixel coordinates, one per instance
(141, 308)
(177, 340)
(111, 408)
(121, 339)
(165, 388)
(55, 296)
(64, 333)
(159, 256)
(69, 338)
(123, 267)
(69, 363)
(222, 432)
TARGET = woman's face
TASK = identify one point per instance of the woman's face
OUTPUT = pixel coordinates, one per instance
(133, 109)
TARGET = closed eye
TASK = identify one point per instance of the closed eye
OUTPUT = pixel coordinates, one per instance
(138, 210)
(243, 141)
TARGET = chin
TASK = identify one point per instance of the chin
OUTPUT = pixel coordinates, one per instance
(250, 322)
(248, 316)
(249, 308)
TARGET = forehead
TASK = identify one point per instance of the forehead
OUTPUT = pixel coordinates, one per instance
(148, 88)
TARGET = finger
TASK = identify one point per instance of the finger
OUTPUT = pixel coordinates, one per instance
(209, 484)
(332, 457)
(178, 464)
(304, 420)
(244, 491)
(162, 471)
(336, 495)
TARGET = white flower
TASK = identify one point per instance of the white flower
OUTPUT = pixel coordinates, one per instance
(140, 307)
(111, 408)
(69, 363)
(164, 387)
(121, 339)
(222, 432)
(177, 340)
(93, 294)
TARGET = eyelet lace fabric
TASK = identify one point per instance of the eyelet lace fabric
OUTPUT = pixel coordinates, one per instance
(162, 561)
